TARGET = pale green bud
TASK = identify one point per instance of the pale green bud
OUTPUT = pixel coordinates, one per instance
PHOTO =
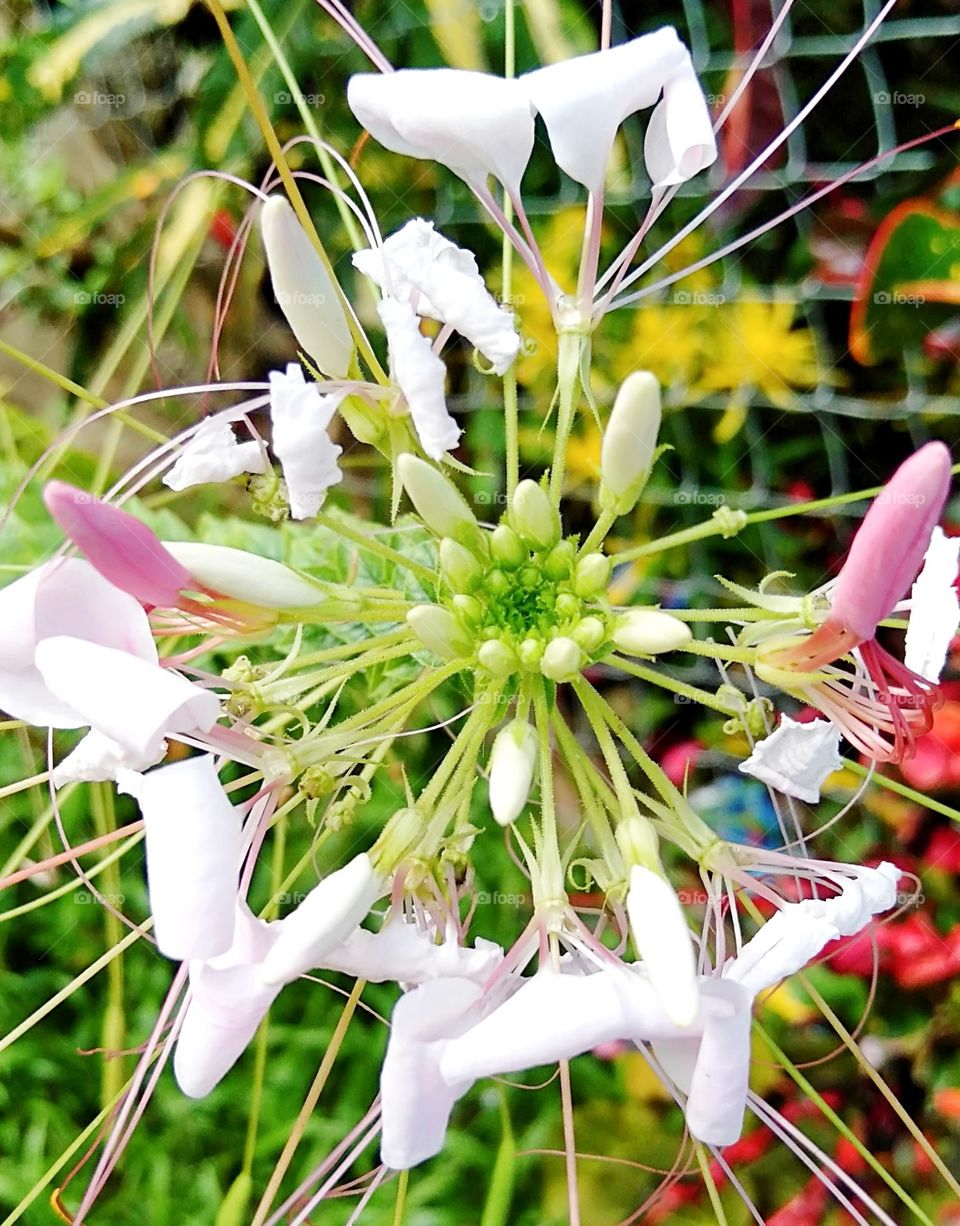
(567, 605)
(592, 575)
(507, 548)
(439, 503)
(460, 567)
(589, 632)
(497, 583)
(558, 563)
(562, 659)
(513, 761)
(246, 576)
(498, 658)
(305, 290)
(399, 836)
(648, 632)
(629, 442)
(469, 608)
(639, 843)
(439, 631)
(534, 515)
(531, 653)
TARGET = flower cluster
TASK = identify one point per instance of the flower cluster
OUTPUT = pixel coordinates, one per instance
(517, 614)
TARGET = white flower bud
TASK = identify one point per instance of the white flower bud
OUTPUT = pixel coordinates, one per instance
(534, 516)
(592, 575)
(589, 632)
(507, 547)
(498, 658)
(438, 502)
(662, 938)
(246, 576)
(327, 915)
(304, 290)
(629, 442)
(648, 632)
(513, 760)
(460, 567)
(562, 659)
(439, 631)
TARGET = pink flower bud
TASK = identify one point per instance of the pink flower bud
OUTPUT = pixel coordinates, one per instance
(120, 547)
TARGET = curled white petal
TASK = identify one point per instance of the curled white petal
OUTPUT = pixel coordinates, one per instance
(193, 855)
(328, 914)
(584, 100)
(934, 608)
(718, 1088)
(98, 758)
(796, 758)
(130, 700)
(679, 141)
(475, 124)
(300, 415)
(420, 376)
(402, 952)
(246, 576)
(228, 1001)
(416, 1098)
(214, 454)
(663, 940)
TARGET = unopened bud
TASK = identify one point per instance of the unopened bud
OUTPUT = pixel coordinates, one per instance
(439, 503)
(497, 583)
(629, 441)
(507, 548)
(530, 652)
(513, 760)
(639, 843)
(304, 290)
(439, 631)
(558, 563)
(648, 632)
(534, 515)
(589, 632)
(327, 915)
(562, 659)
(245, 576)
(592, 575)
(498, 658)
(460, 567)
(567, 605)
(469, 608)
(397, 839)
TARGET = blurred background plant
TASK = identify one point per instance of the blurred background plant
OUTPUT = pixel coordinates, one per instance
(800, 367)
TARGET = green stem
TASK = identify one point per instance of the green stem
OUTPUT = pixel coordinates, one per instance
(548, 884)
(568, 382)
(691, 693)
(598, 533)
(582, 768)
(894, 785)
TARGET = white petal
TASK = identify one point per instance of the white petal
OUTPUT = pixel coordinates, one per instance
(403, 952)
(438, 279)
(213, 454)
(304, 291)
(934, 608)
(228, 1001)
(476, 124)
(679, 141)
(25, 695)
(308, 456)
(416, 1099)
(420, 375)
(584, 100)
(328, 914)
(663, 940)
(193, 855)
(718, 1087)
(98, 758)
(128, 699)
(246, 576)
(796, 758)
(513, 760)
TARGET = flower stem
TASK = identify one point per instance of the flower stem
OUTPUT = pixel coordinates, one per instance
(568, 375)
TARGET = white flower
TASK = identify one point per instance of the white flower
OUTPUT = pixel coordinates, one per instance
(327, 915)
(796, 758)
(193, 838)
(420, 376)
(475, 124)
(513, 760)
(300, 415)
(228, 1001)
(584, 100)
(304, 290)
(213, 454)
(440, 280)
(934, 608)
(97, 758)
(663, 941)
